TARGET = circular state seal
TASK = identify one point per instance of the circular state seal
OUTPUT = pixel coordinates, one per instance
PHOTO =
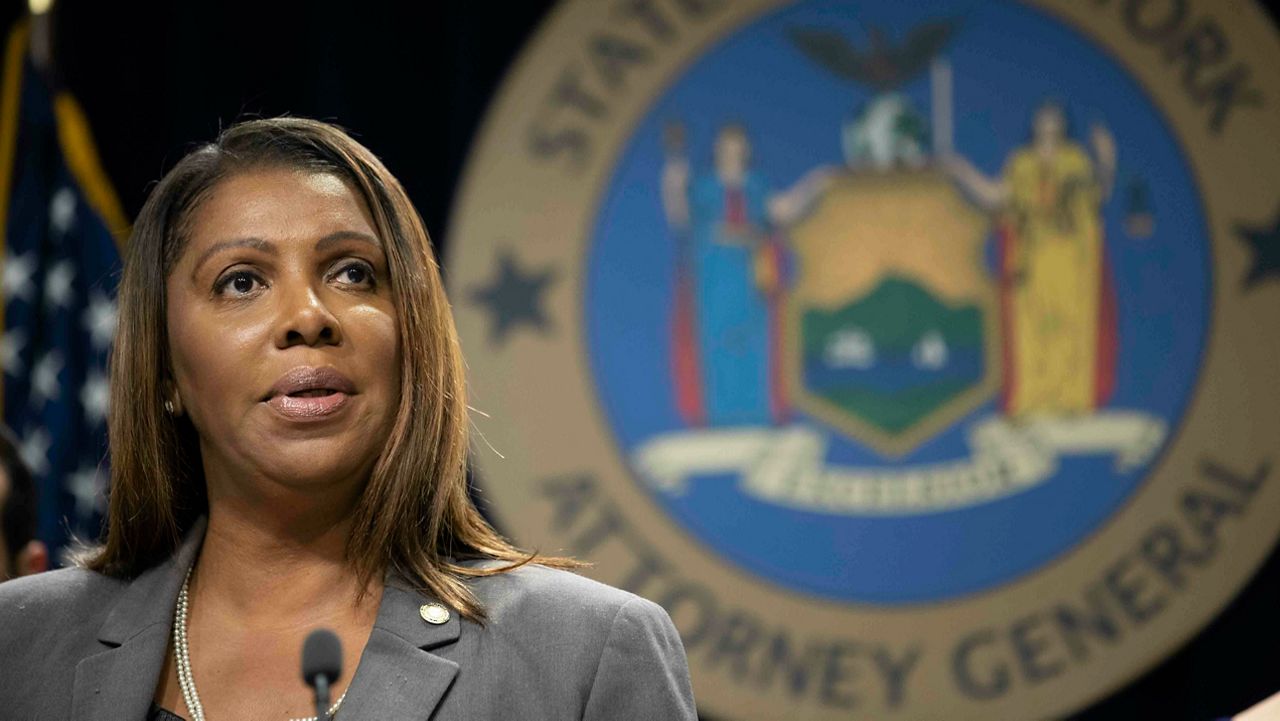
(916, 357)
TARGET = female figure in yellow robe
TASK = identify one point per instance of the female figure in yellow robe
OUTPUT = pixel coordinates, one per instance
(1058, 310)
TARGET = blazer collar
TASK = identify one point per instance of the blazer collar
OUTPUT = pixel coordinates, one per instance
(150, 597)
(398, 676)
(120, 681)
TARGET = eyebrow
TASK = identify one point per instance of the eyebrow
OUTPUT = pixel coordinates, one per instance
(269, 248)
(341, 235)
(255, 243)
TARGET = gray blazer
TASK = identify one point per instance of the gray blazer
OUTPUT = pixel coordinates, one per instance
(78, 645)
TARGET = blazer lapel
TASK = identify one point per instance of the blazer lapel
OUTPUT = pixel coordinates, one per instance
(120, 682)
(399, 677)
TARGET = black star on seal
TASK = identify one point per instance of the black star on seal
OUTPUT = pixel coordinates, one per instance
(1265, 243)
(514, 298)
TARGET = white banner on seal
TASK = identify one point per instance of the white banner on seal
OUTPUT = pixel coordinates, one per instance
(787, 466)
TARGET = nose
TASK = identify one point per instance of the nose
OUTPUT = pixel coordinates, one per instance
(305, 319)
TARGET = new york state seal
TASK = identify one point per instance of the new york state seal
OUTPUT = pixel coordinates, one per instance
(918, 358)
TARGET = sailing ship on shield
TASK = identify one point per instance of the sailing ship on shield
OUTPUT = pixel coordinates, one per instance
(860, 301)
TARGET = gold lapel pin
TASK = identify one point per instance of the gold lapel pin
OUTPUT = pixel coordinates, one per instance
(434, 613)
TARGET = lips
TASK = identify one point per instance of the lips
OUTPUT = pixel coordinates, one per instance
(306, 393)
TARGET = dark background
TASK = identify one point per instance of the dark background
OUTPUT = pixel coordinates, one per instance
(412, 81)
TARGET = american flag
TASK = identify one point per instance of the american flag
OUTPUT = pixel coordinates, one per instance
(60, 268)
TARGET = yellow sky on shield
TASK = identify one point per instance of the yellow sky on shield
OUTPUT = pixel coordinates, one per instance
(909, 223)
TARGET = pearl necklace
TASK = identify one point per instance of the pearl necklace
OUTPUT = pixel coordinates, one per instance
(182, 654)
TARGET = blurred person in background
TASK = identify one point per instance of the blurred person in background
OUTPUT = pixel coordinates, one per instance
(20, 553)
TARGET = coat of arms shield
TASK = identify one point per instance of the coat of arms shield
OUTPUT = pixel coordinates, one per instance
(892, 325)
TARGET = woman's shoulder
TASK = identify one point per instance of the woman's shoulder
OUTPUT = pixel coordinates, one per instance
(622, 650)
(68, 597)
(555, 597)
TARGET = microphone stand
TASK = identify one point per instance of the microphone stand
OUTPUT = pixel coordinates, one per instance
(322, 697)
(321, 667)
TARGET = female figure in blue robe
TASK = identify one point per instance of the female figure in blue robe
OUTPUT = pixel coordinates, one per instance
(732, 270)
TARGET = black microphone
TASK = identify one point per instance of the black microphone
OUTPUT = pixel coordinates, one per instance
(322, 666)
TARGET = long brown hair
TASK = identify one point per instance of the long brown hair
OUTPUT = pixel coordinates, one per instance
(414, 515)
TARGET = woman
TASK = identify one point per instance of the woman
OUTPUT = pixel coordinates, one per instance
(1057, 301)
(288, 449)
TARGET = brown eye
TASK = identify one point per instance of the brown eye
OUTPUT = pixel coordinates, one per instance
(239, 283)
(357, 273)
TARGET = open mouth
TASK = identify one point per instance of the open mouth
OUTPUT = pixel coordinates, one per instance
(306, 393)
(312, 393)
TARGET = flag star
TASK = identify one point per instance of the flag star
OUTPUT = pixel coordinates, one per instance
(62, 210)
(11, 345)
(44, 378)
(16, 278)
(95, 396)
(100, 320)
(88, 486)
(34, 450)
(57, 284)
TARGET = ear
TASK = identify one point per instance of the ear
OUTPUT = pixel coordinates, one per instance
(33, 558)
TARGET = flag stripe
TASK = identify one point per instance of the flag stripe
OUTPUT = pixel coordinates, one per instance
(81, 156)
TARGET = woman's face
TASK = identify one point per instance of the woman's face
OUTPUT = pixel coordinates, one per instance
(732, 153)
(283, 332)
(1049, 125)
